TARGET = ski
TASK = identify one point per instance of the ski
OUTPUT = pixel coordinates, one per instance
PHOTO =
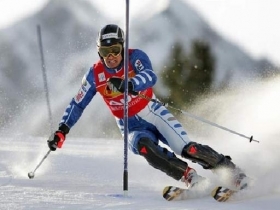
(219, 193)
(173, 193)
(222, 194)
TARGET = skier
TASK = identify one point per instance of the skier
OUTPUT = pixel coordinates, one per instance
(148, 121)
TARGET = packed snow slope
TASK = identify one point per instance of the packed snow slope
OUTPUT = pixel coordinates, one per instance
(87, 172)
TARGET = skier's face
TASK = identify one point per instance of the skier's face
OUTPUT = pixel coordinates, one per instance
(113, 61)
(111, 55)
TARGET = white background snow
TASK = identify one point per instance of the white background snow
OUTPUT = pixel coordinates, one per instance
(87, 172)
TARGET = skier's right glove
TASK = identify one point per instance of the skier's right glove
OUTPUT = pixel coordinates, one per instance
(57, 139)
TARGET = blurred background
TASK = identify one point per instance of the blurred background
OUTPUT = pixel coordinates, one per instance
(214, 58)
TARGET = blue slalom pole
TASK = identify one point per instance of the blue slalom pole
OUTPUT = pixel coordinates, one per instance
(126, 44)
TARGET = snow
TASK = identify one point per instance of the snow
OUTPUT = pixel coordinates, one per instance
(87, 173)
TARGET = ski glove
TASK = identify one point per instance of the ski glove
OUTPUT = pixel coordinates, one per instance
(56, 140)
(118, 83)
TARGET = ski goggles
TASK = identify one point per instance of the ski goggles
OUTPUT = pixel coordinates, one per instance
(114, 50)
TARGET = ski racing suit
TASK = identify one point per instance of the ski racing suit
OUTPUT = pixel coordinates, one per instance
(148, 121)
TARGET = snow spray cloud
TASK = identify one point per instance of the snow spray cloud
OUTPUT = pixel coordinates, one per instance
(251, 109)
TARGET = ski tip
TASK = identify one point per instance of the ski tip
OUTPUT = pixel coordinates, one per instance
(222, 194)
(215, 191)
(170, 193)
(165, 192)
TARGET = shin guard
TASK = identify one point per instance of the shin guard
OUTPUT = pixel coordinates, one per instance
(206, 156)
(160, 158)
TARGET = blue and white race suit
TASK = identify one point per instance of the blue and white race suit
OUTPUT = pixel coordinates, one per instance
(151, 119)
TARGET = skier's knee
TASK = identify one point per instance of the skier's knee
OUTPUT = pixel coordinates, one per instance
(149, 149)
(143, 143)
(206, 156)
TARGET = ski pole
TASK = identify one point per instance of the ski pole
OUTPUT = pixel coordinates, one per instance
(44, 71)
(199, 118)
(32, 173)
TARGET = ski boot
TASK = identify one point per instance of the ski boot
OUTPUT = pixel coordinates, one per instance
(191, 178)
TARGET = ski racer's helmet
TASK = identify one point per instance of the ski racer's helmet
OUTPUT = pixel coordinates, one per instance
(109, 35)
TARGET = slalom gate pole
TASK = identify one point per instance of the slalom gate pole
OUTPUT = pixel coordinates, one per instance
(126, 44)
(39, 34)
(199, 118)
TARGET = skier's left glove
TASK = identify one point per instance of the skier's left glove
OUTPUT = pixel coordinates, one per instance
(57, 139)
(118, 83)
